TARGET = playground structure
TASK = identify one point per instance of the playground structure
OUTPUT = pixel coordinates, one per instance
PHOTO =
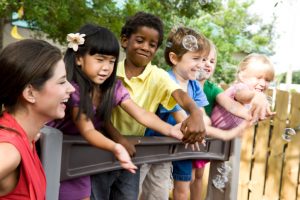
(264, 164)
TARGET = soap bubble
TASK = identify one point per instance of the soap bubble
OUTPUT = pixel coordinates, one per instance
(190, 43)
(288, 132)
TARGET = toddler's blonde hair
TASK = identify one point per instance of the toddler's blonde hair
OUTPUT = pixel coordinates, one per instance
(259, 59)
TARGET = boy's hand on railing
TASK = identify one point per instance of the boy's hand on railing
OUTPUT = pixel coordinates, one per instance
(128, 146)
(193, 128)
(176, 132)
(195, 146)
(124, 158)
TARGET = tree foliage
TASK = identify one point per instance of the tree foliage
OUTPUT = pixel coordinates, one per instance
(295, 77)
(226, 23)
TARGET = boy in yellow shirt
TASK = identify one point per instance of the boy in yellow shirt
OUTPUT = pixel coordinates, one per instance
(149, 86)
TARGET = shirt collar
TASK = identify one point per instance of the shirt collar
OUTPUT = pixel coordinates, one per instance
(121, 71)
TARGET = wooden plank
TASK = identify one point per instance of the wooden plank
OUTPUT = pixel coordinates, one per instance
(260, 156)
(273, 176)
(292, 154)
(245, 164)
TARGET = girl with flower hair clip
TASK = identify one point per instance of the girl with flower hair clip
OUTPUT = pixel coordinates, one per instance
(91, 62)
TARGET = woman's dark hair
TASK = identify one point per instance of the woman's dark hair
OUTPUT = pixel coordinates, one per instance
(98, 40)
(22, 63)
(141, 19)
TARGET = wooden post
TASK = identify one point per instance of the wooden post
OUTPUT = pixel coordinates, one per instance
(273, 176)
(231, 187)
(260, 157)
(292, 154)
(245, 164)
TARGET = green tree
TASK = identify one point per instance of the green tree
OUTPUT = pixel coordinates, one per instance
(295, 77)
(6, 9)
(226, 23)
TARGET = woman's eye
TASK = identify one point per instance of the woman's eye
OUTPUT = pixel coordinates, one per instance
(62, 82)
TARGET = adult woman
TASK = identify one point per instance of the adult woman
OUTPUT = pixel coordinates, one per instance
(33, 91)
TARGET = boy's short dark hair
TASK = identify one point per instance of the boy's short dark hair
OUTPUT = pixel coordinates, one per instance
(143, 19)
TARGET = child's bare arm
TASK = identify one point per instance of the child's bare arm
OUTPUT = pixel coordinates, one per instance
(151, 120)
(232, 106)
(193, 127)
(179, 116)
(86, 128)
(227, 134)
(116, 136)
(260, 107)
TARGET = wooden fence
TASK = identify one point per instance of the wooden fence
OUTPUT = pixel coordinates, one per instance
(269, 165)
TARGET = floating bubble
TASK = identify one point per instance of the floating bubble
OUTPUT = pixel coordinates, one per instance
(218, 182)
(289, 131)
(270, 100)
(224, 169)
(204, 2)
(202, 74)
(286, 137)
(190, 43)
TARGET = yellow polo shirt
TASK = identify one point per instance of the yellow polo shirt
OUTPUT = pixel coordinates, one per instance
(150, 89)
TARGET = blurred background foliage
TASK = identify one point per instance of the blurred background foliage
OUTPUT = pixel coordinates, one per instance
(234, 30)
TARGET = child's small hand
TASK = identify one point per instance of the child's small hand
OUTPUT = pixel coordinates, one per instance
(176, 132)
(128, 146)
(195, 146)
(260, 107)
(193, 128)
(124, 158)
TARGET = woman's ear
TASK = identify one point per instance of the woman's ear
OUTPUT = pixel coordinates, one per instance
(29, 94)
(124, 41)
(173, 58)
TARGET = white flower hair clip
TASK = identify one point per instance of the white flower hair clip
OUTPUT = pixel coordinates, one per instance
(74, 40)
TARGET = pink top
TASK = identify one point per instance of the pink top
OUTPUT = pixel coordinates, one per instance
(223, 119)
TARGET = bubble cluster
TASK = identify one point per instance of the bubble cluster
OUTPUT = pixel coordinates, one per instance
(190, 43)
(220, 180)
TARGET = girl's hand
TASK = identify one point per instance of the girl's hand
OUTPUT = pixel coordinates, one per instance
(128, 146)
(124, 158)
(260, 107)
(176, 132)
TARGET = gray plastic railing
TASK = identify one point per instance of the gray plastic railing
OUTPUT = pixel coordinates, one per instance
(65, 157)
